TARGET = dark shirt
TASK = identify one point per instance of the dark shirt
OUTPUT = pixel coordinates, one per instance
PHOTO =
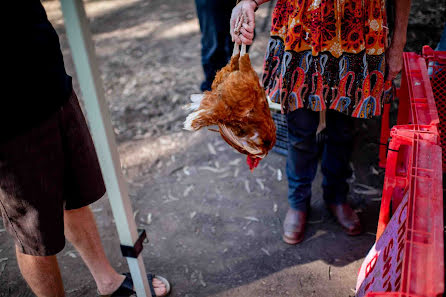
(37, 84)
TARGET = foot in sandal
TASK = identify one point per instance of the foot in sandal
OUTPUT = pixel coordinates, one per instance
(159, 286)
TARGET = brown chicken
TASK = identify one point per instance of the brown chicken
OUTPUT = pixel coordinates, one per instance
(237, 104)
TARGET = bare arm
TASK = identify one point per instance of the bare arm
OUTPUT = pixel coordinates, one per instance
(394, 54)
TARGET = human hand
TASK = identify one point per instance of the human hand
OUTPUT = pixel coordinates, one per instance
(244, 13)
(394, 61)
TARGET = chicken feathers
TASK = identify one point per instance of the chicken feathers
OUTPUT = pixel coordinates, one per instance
(237, 104)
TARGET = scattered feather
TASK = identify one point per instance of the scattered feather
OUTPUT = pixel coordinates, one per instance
(149, 219)
(217, 164)
(135, 214)
(211, 149)
(225, 250)
(247, 186)
(260, 183)
(279, 174)
(275, 207)
(186, 170)
(265, 251)
(193, 214)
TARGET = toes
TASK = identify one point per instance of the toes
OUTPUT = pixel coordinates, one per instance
(160, 291)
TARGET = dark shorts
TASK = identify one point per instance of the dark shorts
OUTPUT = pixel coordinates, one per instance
(44, 171)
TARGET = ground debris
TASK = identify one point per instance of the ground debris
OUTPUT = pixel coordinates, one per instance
(235, 162)
(254, 219)
(188, 190)
(71, 254)
(215, 170)
(211, 149)
(265, 251)
(247, 186)
(260, 183)
(186, 170)
(366, 190)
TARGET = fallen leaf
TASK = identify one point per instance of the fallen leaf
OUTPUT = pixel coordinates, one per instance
(235, 162)
(211, 149)
(260, 183)
(188, 190)
(265, 251)
(247, 186)
(254, 219)
(215, 170)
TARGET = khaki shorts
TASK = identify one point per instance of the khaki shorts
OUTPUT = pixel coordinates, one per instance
(44, 171)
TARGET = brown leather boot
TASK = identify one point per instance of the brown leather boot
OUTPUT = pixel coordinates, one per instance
(347, 218)
(294, 226)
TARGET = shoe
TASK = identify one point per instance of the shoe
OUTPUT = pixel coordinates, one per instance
(347, 218)
(294, 226)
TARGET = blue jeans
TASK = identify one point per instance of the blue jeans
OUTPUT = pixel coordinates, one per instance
(216, 43)
(302, 157)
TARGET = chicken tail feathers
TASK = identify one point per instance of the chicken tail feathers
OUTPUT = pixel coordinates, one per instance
(190, 122)
(195, 104)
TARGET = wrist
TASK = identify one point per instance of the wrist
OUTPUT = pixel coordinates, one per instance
(253, 3)
(398, 43)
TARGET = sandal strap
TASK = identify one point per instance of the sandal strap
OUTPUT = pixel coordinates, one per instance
(126, 288)
(150, 279)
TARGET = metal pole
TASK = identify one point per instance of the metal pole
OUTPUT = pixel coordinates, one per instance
(98, 116)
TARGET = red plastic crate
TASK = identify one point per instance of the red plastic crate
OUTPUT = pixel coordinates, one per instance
(416, 100)
(437, 67)
(407, 259)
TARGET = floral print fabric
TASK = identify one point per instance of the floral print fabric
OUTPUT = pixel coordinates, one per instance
(328, 54)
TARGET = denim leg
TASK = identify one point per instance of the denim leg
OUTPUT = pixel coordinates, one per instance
(216, 43)
(302, 156)
(336, 157)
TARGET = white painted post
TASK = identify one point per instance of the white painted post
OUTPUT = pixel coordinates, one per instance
(98, 116)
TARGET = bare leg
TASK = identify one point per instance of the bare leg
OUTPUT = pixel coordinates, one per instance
(42, 274)
(81, 231)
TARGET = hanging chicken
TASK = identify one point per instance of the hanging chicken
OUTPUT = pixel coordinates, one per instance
(237, 104)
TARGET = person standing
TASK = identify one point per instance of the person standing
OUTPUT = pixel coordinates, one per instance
(49, 171)
(327, 56)
(216, 42)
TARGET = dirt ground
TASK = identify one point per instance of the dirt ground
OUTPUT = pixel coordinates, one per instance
(214, 227)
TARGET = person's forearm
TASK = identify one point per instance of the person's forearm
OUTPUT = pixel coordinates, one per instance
(402, 11)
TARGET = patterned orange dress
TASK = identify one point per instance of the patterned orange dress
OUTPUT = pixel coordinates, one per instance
(328, 54)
